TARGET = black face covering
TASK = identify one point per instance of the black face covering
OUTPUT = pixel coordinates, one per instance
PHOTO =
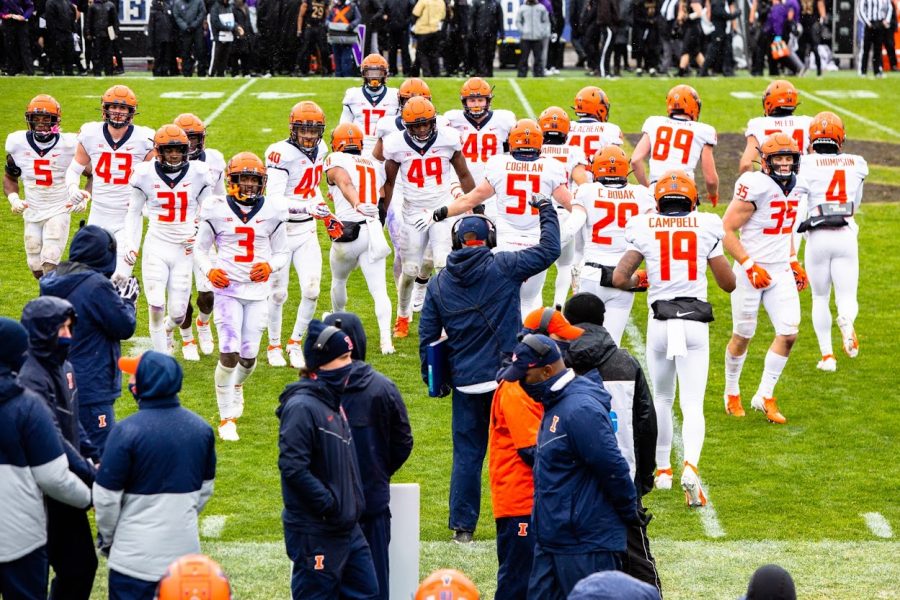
(336, 379)
(538, 390)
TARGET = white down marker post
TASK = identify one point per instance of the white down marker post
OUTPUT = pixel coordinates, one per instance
(404, 548)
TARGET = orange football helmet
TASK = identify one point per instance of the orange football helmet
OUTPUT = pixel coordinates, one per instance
(447, 584)
(347, 137)
(240, 169)
(196, 132)
(591, 101)
(476, 87)
(47, 108)
(118, 96)
(779, 144)
(780, 98)
(827, 128)
(307, 125)
(683, 100)
(610, 162)
(374, 71)
(554, 123)
(194, 577)
(525, 139)
(420, 118)
(168, 138)
(412, 87)
(675, 191)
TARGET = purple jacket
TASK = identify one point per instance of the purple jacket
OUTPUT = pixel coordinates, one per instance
(548, 6)
(778, 17)
(17, 7)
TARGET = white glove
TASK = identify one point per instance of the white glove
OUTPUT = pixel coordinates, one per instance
(119, 279)
(130, 257)
(78, 199)
(15, 204)
(423, 222)
(370, 211)
(189, 246)
(320, 211)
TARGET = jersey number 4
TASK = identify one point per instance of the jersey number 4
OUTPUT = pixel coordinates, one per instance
(837, 189)
(667, 138)
(488, 147)
(677, 245)
(306, 187)
(620, 214)
(114, 168)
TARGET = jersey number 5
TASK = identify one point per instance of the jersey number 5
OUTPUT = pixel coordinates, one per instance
(42, 174)
(625, 211)
(513, 190)
(677, 245)
(116, 174)
(247, 244)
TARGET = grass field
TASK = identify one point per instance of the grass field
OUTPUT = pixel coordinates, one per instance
(818, 495)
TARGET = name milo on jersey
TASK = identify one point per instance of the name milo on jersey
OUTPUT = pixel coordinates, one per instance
(668, 222)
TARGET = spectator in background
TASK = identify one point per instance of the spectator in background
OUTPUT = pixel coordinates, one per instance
(812, 17)
(189, 16)
(342, 21)
(770, 582)
(161, 30)
(458, 42)
(47, 373)
(33, 463)
(875, 15)
(242, 52)
(778, 29)
(112, 10)
(756, 39)
(668, 23)
(156, 476)
(106, 316)
(644, 37)
(613, 585)
(429, 16)
(96, 34)
(692, 44)
(889, 36)
(556, 46)
(487, 27)
(222, 30)
(372, 12)
(268, 17)
(620, 39)
(718, 59)
(15, 15)
(533, 23)
(607, 15)
(397, 19)
(313, 41)
(59, 42)
(286, 57)
(575, 12)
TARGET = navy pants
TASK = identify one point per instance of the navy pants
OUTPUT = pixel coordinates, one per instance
(554, 575)
(123, 587)
(470, 423)
(70, 548)
(97, 420)
(331, 567)
(25, 578)
(343, 60)
(377, 530)
(515, 553)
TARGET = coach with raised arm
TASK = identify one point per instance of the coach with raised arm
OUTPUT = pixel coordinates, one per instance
(475, 299)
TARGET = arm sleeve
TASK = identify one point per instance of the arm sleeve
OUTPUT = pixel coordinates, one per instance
(107, 507)
(645, 431)
(205, 238)
(280, 253)
(522, 264)
(73, 174)
(401, 432)
(57, 481)
(134, 220)
(295, 452)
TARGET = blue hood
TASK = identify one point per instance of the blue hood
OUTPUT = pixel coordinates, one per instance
(42, 317)
(468, 266)
(351, 324)
(158, 380)
(63, 280)
(95, 247)
(612, 585)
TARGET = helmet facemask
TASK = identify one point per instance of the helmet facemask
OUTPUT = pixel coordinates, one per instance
(780, 170)
(118, 115)
(374, 78)
(197, 142)
(422, 130)
(42, 125)
(307, 134)
(476, 106)
(172, 157)
(246, 188)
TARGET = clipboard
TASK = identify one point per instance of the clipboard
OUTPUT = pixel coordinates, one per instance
(437, 357)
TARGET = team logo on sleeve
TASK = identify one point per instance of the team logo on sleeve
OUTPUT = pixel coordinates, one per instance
(320, 562)
(554, 424)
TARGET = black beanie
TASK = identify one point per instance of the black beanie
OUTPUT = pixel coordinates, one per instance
(771, 582)
(94, 247)
(336, 345)
(584, 307)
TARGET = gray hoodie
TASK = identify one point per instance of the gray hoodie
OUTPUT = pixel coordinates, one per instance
(533, 22)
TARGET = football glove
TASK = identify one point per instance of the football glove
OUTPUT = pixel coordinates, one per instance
(320, 211)
(425, 220)
(16, 205)
(369, 211)
(334, 227)
(800, 277)
(758, 276)
(218, 278)
(260, 272)
(643, 281)
(714, 200)
(540, 201)
(78, 199)
(129, 290)
(130, 257)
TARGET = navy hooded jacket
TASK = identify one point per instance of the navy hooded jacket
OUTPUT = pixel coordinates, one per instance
(583, 491)
(475, 299)
(378, 420)
(104, 319)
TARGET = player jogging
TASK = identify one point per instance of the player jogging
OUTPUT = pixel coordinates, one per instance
(592, 131)
(779, 102)
(367, 104)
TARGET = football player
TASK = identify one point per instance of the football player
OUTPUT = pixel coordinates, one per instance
(678, 245)
(764, 210)
(112, 148)
(196, 133)
(591, 131)
(835, 182)
(678, 141)
(171, 190)
(779, 103)
(367, 104)
(555, 123)
(355, 182)
(512, 180)
(610, 202)
(424, 156)
(40, 157)
(251, 244)
(294, 168)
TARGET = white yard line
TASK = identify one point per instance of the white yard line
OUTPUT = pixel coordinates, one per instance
(878, 525)
(212, 526)
(139, 345)
(851, 114)
(522, 99)
(227, 102)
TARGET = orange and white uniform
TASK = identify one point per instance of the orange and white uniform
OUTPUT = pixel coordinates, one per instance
(367, 109)
(795, 126)
(592, 135)
(676, 144)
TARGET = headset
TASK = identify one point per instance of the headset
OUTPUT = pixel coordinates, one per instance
(326, 334)
(490, 242)
(542, 328)
(537, 345)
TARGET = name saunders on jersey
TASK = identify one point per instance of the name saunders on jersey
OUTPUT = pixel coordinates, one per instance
(667, 222)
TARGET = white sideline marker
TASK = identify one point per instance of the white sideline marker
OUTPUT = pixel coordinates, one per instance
(878, 525)
(851, 114)
(709, 519)
(522, 99)
(234, 96)
(212, 526)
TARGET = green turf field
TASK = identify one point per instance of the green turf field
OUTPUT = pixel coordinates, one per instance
(813, 495)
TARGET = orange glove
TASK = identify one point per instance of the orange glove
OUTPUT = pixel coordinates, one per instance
(759, 277)
(218, 278)
(334, 227)
(260, 272)
(643, 282)
(799, 275)
(714, 199)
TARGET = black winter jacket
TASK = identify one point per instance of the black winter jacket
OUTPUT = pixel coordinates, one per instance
(60, 16)
(486, 20)
(161, 27)
(188, 14)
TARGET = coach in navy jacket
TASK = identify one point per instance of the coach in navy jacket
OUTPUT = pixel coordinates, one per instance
(155, 477)
(32, 463)
(383, 440)
(104, 320)
(475, 299)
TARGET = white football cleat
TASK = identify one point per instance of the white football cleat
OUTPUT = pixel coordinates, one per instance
(238, 400)
(663, 479)
(827, 364)
(228, 430)
(189, 351)
(204, 336)
(295, 354)
(418, 296)
(690, 483)
(387, 347)
(275, 357)
(848, 334)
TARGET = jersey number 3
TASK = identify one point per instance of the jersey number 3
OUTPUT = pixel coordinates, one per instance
(247, 244)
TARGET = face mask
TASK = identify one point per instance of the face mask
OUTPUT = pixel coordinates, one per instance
(62, 348)
(336, 379)
(539, 389)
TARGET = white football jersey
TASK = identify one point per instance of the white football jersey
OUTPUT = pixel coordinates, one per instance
(676, 144)
(388, 126)
(593, 135)
(795, 126)
(304, 173)
(367, 176)
(425, 171)
(483, 140)
(677, 250)
(43, 171)
(515, 181)
(766, 236)
(216, 163)
(608, 211)
(362, 108)
(569, 156)
(172, 200)
(833, 178)
(244, 238)
(112, 163)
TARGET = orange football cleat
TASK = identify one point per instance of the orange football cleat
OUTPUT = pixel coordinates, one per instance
(401, 327)
(770, 408)
(733, 405)
(690, 483)
(662, 479)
